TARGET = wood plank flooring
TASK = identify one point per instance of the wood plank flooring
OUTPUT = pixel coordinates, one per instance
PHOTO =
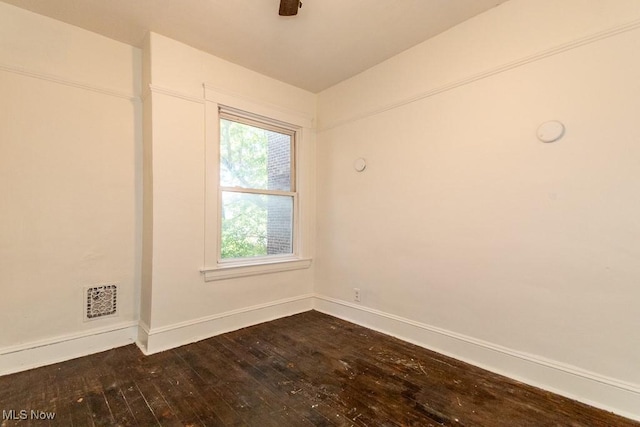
(305, 370)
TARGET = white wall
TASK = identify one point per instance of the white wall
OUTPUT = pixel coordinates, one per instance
(465, 225)
(70, 166)
(464, 234)
(183, 307)
(72, 161)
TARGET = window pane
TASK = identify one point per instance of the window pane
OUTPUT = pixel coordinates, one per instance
(256, 225)
(252, 157)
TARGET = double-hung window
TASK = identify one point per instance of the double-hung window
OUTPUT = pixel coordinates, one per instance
(257, 191)
(258, 188)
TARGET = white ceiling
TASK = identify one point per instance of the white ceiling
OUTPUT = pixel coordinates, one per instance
(327, 42)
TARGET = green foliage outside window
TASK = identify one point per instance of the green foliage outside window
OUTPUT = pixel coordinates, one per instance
(243, 155)
(244, 225)
(243, 163)
(255, 161)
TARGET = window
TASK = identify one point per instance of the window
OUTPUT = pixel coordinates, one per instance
(257, 188)
(259, 192)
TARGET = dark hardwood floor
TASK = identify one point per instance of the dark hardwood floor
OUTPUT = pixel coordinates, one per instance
(305, 370)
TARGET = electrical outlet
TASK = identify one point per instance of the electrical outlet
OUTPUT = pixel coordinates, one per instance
(356, 294)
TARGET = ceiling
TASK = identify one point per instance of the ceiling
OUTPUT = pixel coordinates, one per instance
(327, 42)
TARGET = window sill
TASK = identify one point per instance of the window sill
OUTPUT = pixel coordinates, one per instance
(243, 270)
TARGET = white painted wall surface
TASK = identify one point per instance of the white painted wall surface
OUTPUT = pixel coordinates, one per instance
(509, 33)
(183, 307)
(463, 225)
(70, 164)
(463, 221)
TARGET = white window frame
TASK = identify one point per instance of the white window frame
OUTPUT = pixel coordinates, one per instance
(215, 268)
(267, 124)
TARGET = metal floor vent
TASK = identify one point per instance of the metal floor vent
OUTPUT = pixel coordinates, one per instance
(101, 301)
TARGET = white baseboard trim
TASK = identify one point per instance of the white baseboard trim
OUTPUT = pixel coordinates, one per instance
(593, 389)
(153, 340)
(65, 347)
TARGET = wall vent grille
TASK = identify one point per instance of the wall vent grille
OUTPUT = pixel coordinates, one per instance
(101, 301)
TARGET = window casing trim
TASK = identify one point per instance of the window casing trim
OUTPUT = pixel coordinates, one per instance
(219, 104)
(252, 108)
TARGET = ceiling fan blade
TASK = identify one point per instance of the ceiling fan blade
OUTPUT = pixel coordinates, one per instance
(289, 7)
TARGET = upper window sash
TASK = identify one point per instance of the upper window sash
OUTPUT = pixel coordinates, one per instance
(269, 125)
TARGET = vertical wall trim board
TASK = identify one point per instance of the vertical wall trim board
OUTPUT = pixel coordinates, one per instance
(588, 387)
